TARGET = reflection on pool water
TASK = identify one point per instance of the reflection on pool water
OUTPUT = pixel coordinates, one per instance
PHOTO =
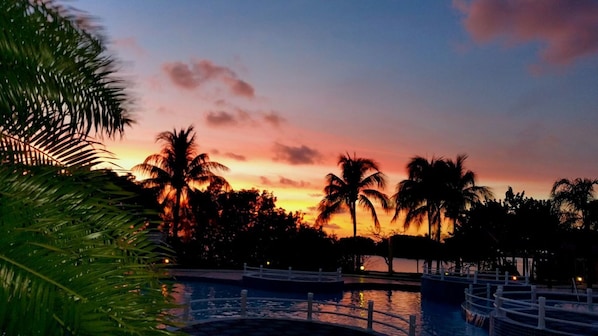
(432, 318)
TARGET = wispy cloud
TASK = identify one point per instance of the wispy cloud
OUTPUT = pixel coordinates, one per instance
(296, 155)
(131, 44)
(234, 156)
(203, 72)
(567, 29)
(284, 182)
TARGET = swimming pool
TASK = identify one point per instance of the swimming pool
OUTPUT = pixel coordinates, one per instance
(432, 318)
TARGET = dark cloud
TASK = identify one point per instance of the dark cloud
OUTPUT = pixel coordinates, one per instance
(220, 118)
(567, 29)
(225, 118)
(296, 155)
(234, 156)
(273, 118)
(202, 72)
(289, 182)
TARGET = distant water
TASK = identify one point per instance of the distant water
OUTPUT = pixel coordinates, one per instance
(402, 265)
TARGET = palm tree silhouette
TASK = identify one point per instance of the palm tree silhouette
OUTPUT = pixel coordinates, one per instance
(422, 194)
(463, 191)
(354, 187)
(177, 169)
(574, 200)
(437, 189)
(575, 197)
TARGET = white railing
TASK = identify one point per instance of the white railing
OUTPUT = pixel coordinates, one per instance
(310, 310)
(546, 310)
(290, 274)
(473, 276)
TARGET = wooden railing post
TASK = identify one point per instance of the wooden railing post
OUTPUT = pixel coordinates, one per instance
(534, 293)
(497, 275)
(290, 272)
(475, 277)
(261, 270)
(498, 302)
(244, 303)
(370, 315)
(488, 294)
(506, 278)
(310, 303)
(320, 275)
(541, 312)
(411, 325)
(589, 299)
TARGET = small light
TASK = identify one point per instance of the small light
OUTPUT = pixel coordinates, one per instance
(362, 268)
(514, 278)
(167, 261)
(446, 273)
(579, 279)
(267, 263)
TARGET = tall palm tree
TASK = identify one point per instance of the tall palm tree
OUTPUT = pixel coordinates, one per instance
(463, 191)
(71, 260)
(422, 194)
(360, 183)
(435, 190)
(575, 197)
(177, 169)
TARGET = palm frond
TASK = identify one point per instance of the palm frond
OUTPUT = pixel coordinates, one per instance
(94, 271)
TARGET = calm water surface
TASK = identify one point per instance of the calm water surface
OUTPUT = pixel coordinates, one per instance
(432, 318)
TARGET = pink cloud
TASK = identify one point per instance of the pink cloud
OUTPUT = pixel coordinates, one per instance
(203, 72)
(130, 43)
(567, 29)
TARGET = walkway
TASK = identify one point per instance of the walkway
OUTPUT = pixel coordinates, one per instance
(404, 282)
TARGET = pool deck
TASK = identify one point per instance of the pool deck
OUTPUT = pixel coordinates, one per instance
(400, 281)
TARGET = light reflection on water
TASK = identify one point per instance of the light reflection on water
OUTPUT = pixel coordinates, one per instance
(432, 318)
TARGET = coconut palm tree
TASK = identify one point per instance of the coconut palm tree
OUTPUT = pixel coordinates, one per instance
(436, 190)
(422, 195)
(72, 259)
(359, 183)
(462, 189)
(574, 199)
(177, 169)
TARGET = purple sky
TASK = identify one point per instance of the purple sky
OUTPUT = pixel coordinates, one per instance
(278, 89)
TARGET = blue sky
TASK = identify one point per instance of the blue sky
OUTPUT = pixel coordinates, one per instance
(278, 89)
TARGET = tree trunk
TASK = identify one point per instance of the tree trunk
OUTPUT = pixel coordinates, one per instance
(354, 220)
(390, 256)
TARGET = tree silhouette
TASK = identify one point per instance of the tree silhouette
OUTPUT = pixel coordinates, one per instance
(435, 190)
(177, 169)
(355, 186)
(573, 198)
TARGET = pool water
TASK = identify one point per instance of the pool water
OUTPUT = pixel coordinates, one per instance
(432, 318)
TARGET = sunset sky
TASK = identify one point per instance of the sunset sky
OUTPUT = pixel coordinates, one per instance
(277, 90)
